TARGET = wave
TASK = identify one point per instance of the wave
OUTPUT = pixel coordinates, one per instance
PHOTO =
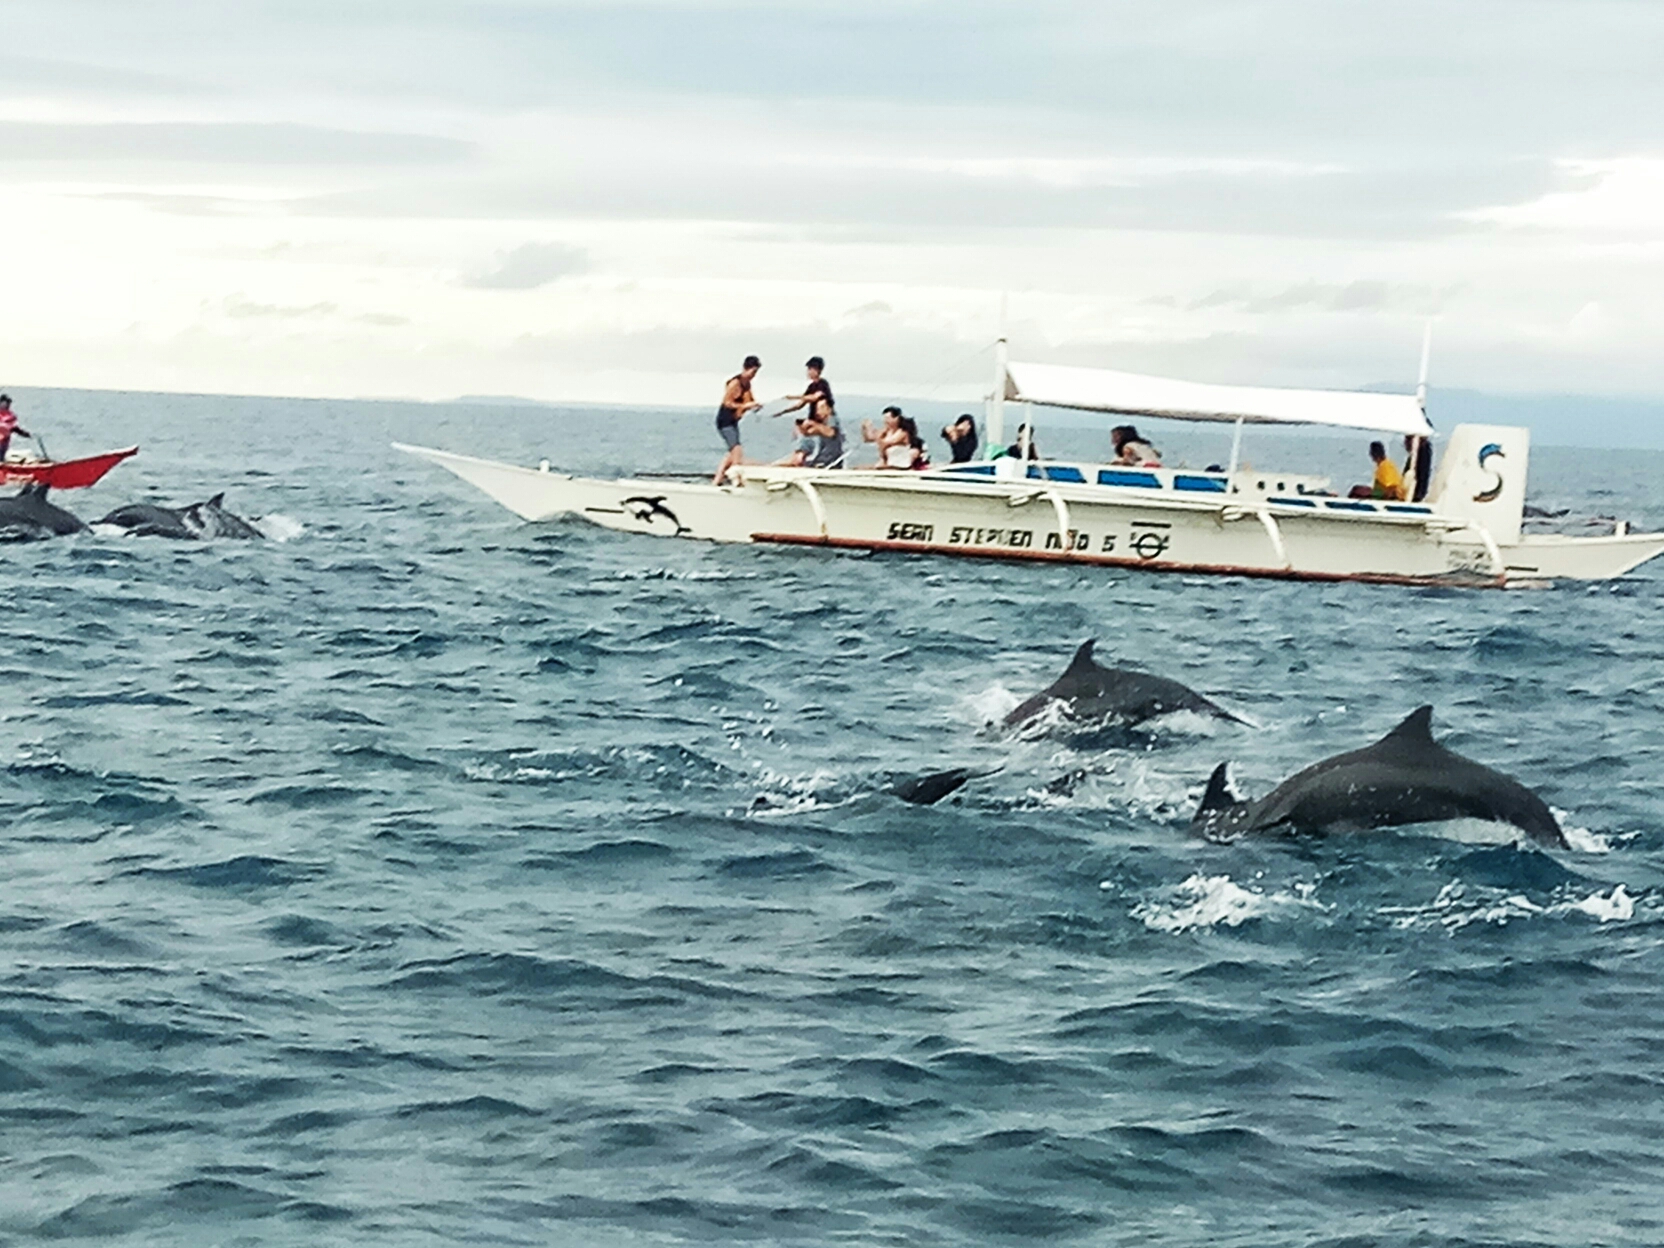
(1205, 901)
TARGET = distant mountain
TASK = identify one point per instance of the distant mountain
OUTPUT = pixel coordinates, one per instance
(1556, 420)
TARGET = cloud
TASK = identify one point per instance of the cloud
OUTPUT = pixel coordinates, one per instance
(215, 143)
(531, 265)
(244, 309)
(1364, 295)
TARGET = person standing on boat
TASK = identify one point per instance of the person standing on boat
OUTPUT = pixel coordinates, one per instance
(8, 425)
(1418, 465)
(1388, 484)
(961, 436)
(736, 402)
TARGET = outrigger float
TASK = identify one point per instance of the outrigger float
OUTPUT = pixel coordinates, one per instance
(1237, 522)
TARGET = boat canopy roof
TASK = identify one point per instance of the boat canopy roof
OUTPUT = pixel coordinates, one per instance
(1133, 394)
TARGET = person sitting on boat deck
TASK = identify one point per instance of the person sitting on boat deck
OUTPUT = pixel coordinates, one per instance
(961, 436)
(736, 402)
(1389, 484)
(895, 447)
(1132, 449)
(915, 440)
(820, 440)
(8, 425)
(823, 423)
(1016, 448)
(1418, 465)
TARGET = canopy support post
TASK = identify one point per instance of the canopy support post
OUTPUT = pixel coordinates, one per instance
(1426, 359)
(996, 399)
(1236, 446)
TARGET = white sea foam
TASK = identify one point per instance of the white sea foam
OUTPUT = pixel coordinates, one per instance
(1453, 910)
(279, 527)
(990, 706)
(1617, 905)
(1581, 839)
(1216, 899)
(1185, 724)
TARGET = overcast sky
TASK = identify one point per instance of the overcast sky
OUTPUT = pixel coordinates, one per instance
(615, 199)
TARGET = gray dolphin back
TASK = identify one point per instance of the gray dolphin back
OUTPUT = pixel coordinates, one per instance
(28, 515)
(149, 520)
(1404, 778)
(1089, 691)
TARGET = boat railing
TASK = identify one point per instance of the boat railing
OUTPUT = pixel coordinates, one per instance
(1285, 493)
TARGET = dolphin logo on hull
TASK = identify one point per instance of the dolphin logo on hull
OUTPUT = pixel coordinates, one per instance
(647, 510)
(1406, 777)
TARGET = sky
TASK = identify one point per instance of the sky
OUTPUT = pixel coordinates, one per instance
(615, 200)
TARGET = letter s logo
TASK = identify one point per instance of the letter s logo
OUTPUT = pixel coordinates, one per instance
(1485, 452)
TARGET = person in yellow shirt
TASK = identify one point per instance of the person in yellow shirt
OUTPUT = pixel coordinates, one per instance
(1389, 482)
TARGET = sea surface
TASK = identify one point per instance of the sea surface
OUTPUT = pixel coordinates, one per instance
(425, 877)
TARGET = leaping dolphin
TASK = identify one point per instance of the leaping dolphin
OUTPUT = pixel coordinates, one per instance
(1113, 695)
(149, 520)
(198, 521)
(27, 516)
(1405, 777)
(211, 519)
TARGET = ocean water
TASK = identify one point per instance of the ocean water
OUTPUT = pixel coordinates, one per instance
(429, 878)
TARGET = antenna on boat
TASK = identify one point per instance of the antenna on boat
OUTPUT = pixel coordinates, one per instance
(996, 400)
(1426, 358)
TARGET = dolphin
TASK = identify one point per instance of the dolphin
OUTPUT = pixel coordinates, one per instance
(198, 521)
(1405, 777)
(149, 520)
(930, 789)
(27, 516)
(1118, 695)
(211, 519)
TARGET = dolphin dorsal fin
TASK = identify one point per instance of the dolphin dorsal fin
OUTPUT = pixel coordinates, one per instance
(1219, 794)
(1082, 662)
(218, 500)
(1417, 728)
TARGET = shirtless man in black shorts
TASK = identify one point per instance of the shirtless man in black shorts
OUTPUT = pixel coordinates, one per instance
(736, 402)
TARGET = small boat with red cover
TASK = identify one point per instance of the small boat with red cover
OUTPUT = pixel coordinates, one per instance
(62, 474)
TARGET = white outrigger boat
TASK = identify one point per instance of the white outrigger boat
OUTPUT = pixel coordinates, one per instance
(1237, 522)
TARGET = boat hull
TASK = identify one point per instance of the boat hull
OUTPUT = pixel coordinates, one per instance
(65, 474)
(938, 514)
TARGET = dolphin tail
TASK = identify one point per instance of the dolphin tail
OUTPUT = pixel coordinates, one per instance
(1219, 795)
